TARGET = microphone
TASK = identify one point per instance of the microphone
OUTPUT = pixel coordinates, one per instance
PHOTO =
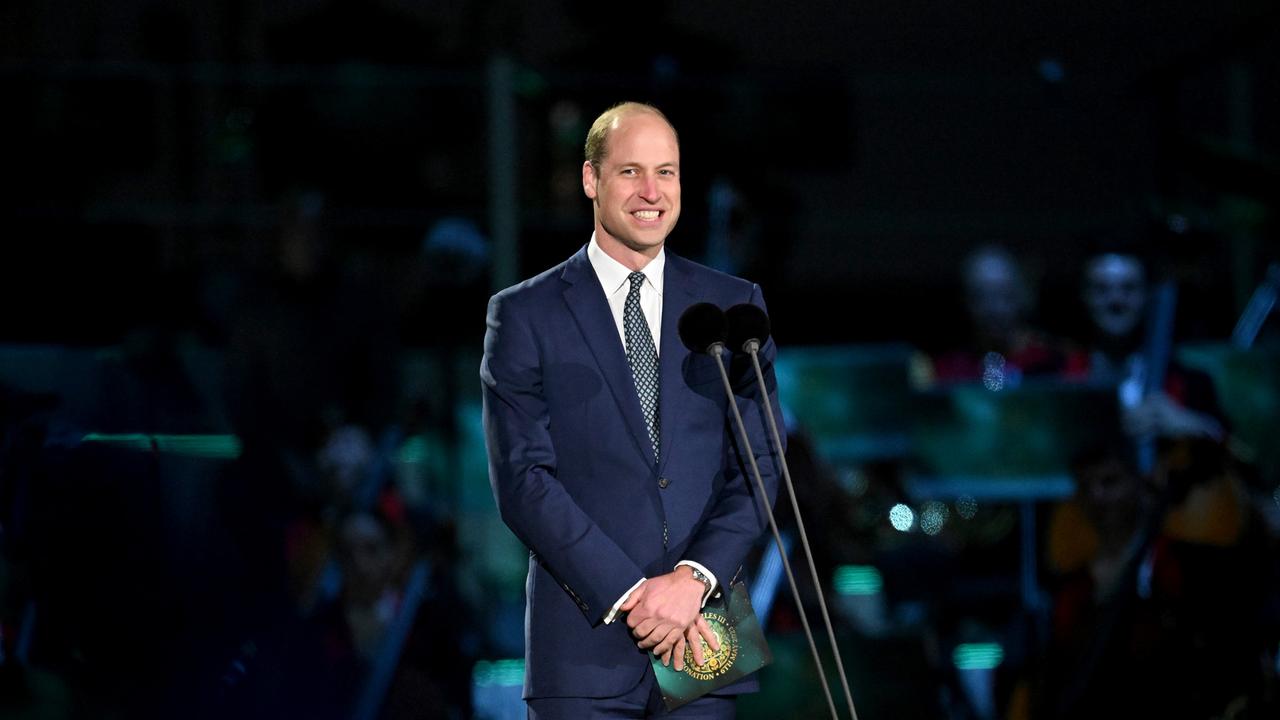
(704, 327)
(748, 330)
(748, 327)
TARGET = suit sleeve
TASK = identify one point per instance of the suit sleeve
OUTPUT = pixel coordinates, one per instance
(586, 562)
(737, 519)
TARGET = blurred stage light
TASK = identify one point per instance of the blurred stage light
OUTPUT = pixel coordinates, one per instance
(933, 517)
(216, 447)
(496, 686)
(977, 656)
(498, 673)
(857, 580)
(993, 371)
(901, 517)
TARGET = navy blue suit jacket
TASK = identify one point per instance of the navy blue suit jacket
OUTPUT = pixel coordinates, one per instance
(574, 475)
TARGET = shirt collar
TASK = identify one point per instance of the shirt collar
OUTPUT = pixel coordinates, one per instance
(613, 274)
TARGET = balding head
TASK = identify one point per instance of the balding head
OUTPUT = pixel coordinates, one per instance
(597, 145)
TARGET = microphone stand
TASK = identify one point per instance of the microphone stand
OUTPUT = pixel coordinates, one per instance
(714, 351)
(1260, 305)
(1156, 353)
(752, 348)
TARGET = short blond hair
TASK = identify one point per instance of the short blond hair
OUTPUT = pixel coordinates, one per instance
(598, 136)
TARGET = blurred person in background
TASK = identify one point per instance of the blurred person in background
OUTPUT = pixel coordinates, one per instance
(1158, 576)
(387, 635)
(384, 577)
(1144, 616)
(1116, 293)
(1003, 346)
(311, 348)
(1182, 415)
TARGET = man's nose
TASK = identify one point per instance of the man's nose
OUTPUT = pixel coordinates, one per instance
(649, 189)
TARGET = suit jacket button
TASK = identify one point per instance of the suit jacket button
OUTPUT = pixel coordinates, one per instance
(663, 482)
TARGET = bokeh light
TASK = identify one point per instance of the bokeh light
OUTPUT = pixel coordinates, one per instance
(901, 517)
(933, 517)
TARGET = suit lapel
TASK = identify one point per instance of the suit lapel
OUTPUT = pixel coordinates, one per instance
(678, 295)
(590, 310)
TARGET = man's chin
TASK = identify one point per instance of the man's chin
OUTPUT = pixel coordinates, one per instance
(645, 241)
(646, 245)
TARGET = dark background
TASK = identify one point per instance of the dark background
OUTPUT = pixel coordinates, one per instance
(147, 142)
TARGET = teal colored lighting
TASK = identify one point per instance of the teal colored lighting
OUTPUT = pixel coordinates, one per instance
(129, 441)
(217, 447)
(498, 673)
(857, 580)
(977, 656)
(902, 517)
(414, 450)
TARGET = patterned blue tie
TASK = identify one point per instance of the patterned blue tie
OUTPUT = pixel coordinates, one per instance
(642, 356)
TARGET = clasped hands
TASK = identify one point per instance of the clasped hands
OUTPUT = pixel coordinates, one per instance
(665, 616)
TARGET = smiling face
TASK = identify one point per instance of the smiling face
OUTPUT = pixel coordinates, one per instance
(635, 188)
(1115, 291)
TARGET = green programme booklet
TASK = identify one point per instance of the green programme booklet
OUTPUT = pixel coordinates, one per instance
(743, 650)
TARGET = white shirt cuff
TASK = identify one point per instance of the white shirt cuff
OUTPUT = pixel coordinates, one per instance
(613, 611)
(710, 576)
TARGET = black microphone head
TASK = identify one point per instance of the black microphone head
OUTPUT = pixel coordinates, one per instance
(702, 326)
(746, 322)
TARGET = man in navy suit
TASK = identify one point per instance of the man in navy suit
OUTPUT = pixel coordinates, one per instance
(611, 451)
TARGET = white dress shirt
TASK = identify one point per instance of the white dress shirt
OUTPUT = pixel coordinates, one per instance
(614, 279)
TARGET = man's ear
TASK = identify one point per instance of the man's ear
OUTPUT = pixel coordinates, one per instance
(589, 179)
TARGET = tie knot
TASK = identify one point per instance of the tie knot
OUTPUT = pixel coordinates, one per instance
(637, 279)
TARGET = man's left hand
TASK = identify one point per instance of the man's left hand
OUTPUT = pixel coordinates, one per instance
(671, 649)
(664, 605)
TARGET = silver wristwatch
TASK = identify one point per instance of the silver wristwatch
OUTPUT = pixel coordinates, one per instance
(701, 577)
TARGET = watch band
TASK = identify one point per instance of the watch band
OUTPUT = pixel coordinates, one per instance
(701, 577)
